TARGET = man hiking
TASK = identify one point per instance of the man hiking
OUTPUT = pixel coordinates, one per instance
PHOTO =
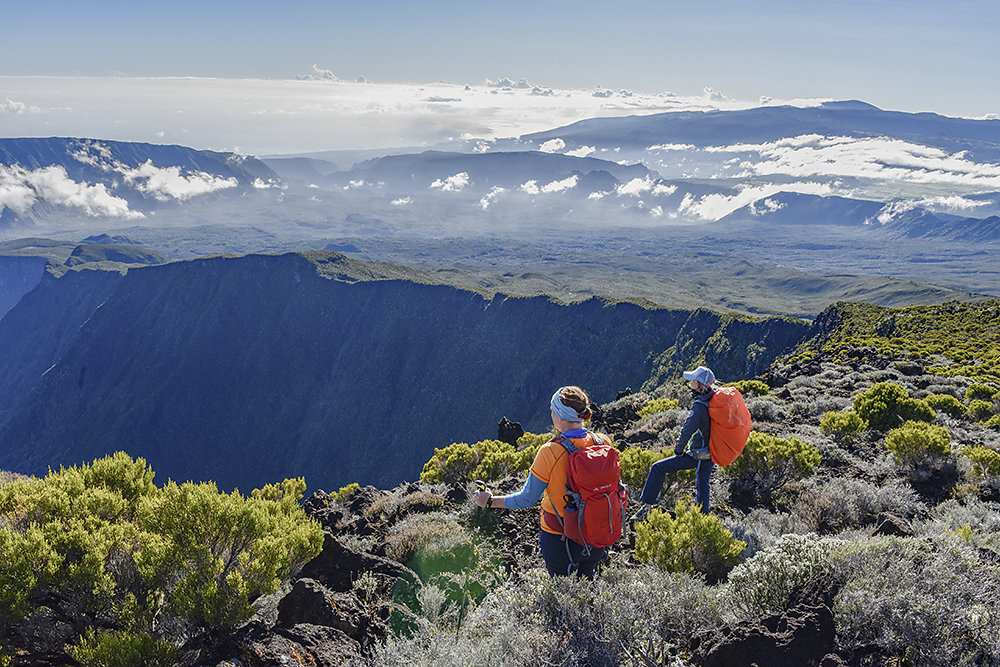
(696, 434)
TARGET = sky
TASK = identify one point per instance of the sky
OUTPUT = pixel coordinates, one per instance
(225, 75)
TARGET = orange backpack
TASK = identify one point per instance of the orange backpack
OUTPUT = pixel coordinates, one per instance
(730, 425)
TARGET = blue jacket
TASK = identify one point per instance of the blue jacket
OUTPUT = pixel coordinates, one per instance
(698, 427)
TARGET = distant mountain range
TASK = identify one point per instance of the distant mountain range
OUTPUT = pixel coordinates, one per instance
(829, 187)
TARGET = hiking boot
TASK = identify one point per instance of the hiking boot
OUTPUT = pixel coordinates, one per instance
(639, 516)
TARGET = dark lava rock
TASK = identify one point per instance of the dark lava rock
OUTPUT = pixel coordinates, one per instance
(309, 602)
(509, 432)
(804, 634)
(339, 566)
(302, 644)
(909, 368)
(627, 391)
(888, 524)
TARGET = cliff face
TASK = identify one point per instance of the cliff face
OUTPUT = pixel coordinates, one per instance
(18, 275)
(246, 370)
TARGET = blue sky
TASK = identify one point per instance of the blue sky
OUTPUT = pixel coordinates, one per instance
(910, 56)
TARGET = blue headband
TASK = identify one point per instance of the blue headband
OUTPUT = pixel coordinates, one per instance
(563, 412)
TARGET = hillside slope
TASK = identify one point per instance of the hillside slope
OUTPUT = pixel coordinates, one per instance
(248, 369)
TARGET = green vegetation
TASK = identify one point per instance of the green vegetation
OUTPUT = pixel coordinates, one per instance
(980, 391)
(886, 405)
(123, 649)
(844, 425)
(980, 409)
(459, 462)
(754, 387)
(960, 338)
(345, 492)
(913, 441)
(657, 405)
(985, 461)
(636, 462)
(108, 541)
(947, 404)
(769, 462)
(691, 542)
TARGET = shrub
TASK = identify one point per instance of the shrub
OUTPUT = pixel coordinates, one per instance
(769, 462)
(932, 601)
(106, 542)
(842, 503)
(979, 391)
(766, 409)
(763, 584)
(842, 425)
(691, 542)
(123, 649)
(636, 462)
(755, 387)
(886, 405)
(985, 461)
(658, 405)
(915, 440)
(947, 404)
(345, 492)
(459, 462)
(980, 409)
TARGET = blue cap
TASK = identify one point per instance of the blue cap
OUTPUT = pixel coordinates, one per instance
(702, 374)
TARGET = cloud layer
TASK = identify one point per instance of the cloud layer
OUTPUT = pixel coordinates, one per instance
(319, 113)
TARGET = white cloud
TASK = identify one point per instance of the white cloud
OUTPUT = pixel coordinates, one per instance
(552, 146)
(638, 186)
(715, 206)
(520, 84)
(402, 201)
(715, 95)
(597, 195)
(21, 188)
(490, 197)
(161, 183)
(882, 158)
(354, 185)
(671, 147)
(10, 106)
(561, 186)
(762, 207)
(319, 74)
(454, 183)
(952, 203)
(532, 187)
(656, 211)
(582, 151)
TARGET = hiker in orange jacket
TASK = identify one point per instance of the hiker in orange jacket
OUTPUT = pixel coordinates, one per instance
(696, 432)
(570, 408)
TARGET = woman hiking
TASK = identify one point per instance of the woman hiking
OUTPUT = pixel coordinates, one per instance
(696, 432)
(570, 408)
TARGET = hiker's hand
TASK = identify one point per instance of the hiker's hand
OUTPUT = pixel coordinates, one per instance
(483, 497)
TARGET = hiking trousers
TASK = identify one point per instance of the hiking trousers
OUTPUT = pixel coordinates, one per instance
(557, 561)
(658, 473)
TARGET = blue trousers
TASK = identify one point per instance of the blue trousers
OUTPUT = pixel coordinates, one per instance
(557, 561)
(654, 481)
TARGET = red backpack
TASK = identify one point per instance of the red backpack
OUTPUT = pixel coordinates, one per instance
(730, 425)
(595, 496)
